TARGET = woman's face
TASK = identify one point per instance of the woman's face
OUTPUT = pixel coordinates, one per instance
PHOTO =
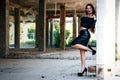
(89, 9)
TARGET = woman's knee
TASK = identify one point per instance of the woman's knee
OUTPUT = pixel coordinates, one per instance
(82, 52)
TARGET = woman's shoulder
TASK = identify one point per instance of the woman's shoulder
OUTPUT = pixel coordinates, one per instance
(83, 16)
(86, 18)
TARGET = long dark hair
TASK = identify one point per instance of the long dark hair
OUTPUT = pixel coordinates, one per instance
(93, 9)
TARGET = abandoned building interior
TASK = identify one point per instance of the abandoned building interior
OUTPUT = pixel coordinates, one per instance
(37, 26)
(41, 25)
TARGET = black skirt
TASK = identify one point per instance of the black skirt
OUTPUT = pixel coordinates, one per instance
(83, 38)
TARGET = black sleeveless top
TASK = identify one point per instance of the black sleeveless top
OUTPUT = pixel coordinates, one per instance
(88, 22)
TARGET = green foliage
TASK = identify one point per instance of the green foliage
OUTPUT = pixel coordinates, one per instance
(93, 43)
(31, 32)
(29, 42)
(68, 38)
(57, 35)
(56, 38)
(67, 33)
(118, 57)
(57, 26)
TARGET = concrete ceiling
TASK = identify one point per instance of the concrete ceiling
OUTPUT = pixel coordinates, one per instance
(70, 4)
(54, 5)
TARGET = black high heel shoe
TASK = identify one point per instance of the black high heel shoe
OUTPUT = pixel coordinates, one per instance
(93, 51)
(81, 74)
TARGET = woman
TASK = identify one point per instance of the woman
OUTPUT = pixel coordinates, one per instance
(87, 24)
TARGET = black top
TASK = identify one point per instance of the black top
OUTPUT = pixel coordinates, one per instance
(88, 22)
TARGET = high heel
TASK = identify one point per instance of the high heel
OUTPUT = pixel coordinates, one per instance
(81, 74)
(93, 51)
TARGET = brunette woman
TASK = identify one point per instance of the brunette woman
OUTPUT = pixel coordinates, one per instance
(81, 42)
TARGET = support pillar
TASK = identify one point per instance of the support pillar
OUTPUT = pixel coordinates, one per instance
(117, 28)
(37, 31)
(41, 26)
(4, 28)
(78, 25)
(47, 32)
(105, 39)
(51, 32)
(17, 28)
(74, 25)
(62, 26)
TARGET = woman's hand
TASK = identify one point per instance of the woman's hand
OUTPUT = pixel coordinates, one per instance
(94, 16)
(93, 31)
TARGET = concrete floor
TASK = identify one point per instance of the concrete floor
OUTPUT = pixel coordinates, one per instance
(62, 65)
(41, 69)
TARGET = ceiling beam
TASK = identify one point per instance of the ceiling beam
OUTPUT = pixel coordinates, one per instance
(25, 9)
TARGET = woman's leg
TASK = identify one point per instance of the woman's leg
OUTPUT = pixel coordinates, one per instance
(82, 47)
(83, 59)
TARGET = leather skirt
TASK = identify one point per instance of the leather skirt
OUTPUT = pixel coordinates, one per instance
(83, 38)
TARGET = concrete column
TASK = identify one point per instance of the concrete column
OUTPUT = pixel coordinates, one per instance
(105, 39)
(74, 25)
(62, 26)
(117, 27)
(41, 28)
(79, 21)
(51, 32)
(37, 31)
(79, 24)
(47, 32)
(17, 28)
(4, 28)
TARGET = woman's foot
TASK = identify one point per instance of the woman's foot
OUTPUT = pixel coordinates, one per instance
(81, 73)
(93, 51)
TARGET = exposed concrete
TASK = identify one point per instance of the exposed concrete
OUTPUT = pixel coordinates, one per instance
(63, 54)
(62, 65)
(4, 28)
(62, 26)
(17, 28)
(41, 69)
(41, 26)
(74, 24)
